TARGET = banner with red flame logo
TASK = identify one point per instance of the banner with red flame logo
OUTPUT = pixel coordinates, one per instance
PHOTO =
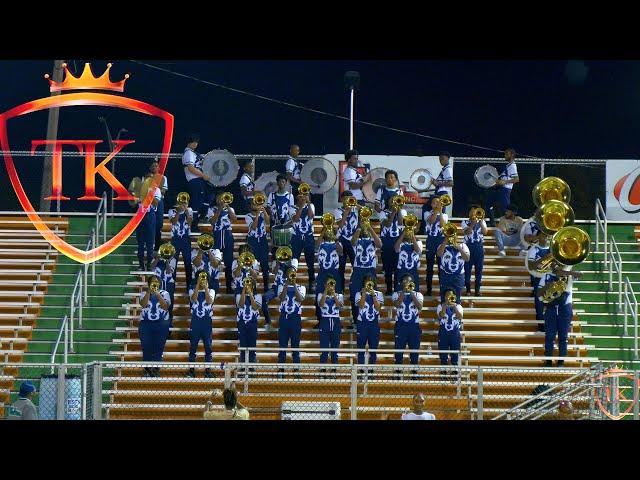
(623, 189)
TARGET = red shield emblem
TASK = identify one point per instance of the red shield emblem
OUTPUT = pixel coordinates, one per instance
(78, 99)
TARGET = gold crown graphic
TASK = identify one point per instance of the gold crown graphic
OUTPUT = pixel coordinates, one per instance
(86, 81)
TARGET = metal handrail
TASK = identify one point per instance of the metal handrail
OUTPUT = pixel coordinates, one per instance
(64, 328)
(615, 263)
(631, 303)
(601, 223)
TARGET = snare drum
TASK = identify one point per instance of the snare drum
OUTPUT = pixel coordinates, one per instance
(281, 236)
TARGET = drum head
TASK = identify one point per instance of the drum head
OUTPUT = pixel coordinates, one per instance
(420, 180)
(221, 166)
(486, 176)
(320, 174)
(376, 181)
(266, 183)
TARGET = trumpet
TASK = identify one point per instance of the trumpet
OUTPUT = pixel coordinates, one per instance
(328, 220)
(259, 199)
(203, 278)
(369, 286)
(246, 259)
(205, 242)
(351, 202)
(450, 231)
(226, 198)
(365, 217)
(248, 283)
(450, 298)
(154, 285)
(409, 286)
(410, 224)
(304, 189)
(182, 199)
(397, 202)
(167, 250)
(331, 287)
(478, 214)
(445, 199)
(284, 254)
(291, 276)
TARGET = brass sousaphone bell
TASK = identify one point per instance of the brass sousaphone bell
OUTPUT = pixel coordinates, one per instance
(551, 188)
(554, 215)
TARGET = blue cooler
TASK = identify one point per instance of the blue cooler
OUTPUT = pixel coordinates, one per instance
(48, 397)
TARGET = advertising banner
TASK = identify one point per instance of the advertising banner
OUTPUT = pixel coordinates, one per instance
(623, 190)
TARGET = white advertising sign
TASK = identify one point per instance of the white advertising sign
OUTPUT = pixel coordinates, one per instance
(623, 190)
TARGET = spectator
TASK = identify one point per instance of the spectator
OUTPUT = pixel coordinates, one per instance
(23, 408)
(508, 231)
(417, 410)
(233, 409)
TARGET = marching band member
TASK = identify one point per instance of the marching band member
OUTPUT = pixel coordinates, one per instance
(449, 315)
(180, 218)
(242, 271)
(302, 239)
(536, 252)
(530, 233)
(293, 169)
(330, 302)
(365, 242)
(165, 270)
(246, 183)
(444, 182)
(192, 163)
(280, 268)
(163, 186)
(557, 313)
(500, 195)
(145, 232)
(291, 296)
(329, 253)
(474, 230)
(408, 303)
(249, 304)
(452, 259)
(153, 328)
(433, 222)
(209, 261)
(259, 220)
(347, 222)
(408, 249)
(369, 301)
(281, 205)
(352, 179)
(201, 297)
(391, 227)
(222, 217)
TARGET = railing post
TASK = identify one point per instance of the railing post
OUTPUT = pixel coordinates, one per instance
(66, 339)
(606, 232)
(635, 325)
(479, 394)
(96, 400)
(72, 321)
(227, 376)
(597, 225)
(626, 303)
(80, 305)
(354, 392)
(636, 385)
(60, 393)
(84, 391)
(86, 268)
(542, 170)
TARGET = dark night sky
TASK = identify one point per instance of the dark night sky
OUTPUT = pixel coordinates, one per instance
(542, 108)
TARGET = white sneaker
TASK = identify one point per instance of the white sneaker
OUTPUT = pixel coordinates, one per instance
(501, 253)
(523, 253)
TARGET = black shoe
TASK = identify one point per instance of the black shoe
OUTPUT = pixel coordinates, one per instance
(155, 372)
(316, 326)
(541, 327)
(334, 374)
(146, 372)
(141, 266)
(191, 373)
(548, 363)
(281, 373)
(444, 375)
(323, 372)
(468, 293)
(297, 373)
(429, 294)
(560, 363)
(208, 374)
(414, 375)
(396, 377)
(478, 294)
(311, 289)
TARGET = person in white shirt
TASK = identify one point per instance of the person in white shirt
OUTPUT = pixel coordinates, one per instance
(500, 194)
(508, 231)
(247, 185)
(418, 412)
(291, 296)
(352, 179)
(196, 179)
(293, 169)
(444, 181)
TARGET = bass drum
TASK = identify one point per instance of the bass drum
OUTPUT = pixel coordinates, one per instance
(376, 182)
(320, 174)
(221, 166)
(420, 180)
(486, 176)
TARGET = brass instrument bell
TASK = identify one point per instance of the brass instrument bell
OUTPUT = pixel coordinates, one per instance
(369, 286)
(304, 189)
(259, 199)
(154, 285)
(397, 202)
(331, 286)
(284, 254)
(478, 214)
(350, 201)
(445, 199)
(183, 199)
(203, 278)
(205, 242)
(450, 298)
(554, 215)
(450, 231)
(227, 198)
(167, 250)
(551, 188)
(248, 282)
(410, 224)
(291, 275)
(246, 259)
(365, 216)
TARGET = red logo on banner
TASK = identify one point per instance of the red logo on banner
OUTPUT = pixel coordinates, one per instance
(86, 81)
(627, 191)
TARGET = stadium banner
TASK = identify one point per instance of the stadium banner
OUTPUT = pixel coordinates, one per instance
(623, 190)
(404, 165)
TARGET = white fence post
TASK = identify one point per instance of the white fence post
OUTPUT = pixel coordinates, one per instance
(60, 393)
(354, 392)
(479, 402)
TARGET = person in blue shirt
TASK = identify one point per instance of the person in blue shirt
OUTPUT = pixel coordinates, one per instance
(209, 261)
(329, 253)
(558, 313)
(249, 304)
(222, 217)
(201, 297)
(409, 249)
(433, 221)
(280, 269)
(165, 270)
(291, 296)
(452, 259)
(369, 303)
(408, 303)
(330, 301)
(391, 226)
(153, 328)
(365, 243)
(474, 231)
(259, 221)
(537, 251)
(346, 224)
(449, 315)
(180, 218)
(240, 271)
(303, 235)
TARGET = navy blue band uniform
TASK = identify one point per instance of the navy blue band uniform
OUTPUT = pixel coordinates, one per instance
(290, 321)
(330, 327)
(408, 263)
(247, 318)
(344, 234)
(201, 325)
(449, 333)
(452, 270)
(223, 241)
(475, 243)
(368, 326)
(303, 241)
(434, 234)
(153, 328)
(407, 328)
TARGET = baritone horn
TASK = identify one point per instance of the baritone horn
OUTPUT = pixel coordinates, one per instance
(331, 287)
(284, 254)
(167, 250)
(397, 202)
(328, 221)
(450, 231)
(365, 217)
(205, 242)
(551, 188)
(259, 199)
(410, 224)
(304, 189)
(203, 279)
(445, 199)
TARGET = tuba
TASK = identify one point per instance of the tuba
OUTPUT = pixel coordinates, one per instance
(551, 188)
(182, 199)
(227, 198)
(397, 202)
(205, 242)
(450, 298)
(167, 250)
(304, 189)
(246, 259)
(450, 231)
(284, 254)
(445, 199)
(154, 285)
(554, 215)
